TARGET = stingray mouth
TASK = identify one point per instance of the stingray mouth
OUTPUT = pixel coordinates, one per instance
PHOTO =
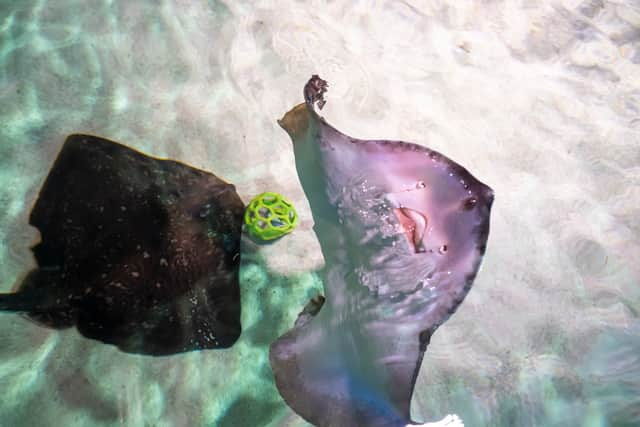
(413, 224)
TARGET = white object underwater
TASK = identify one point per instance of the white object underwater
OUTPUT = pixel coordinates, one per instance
(451, 420)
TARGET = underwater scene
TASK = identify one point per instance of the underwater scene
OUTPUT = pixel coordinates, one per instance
(320, 213)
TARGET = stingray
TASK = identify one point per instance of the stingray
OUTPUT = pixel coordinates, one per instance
(402, 229)
(135, 251)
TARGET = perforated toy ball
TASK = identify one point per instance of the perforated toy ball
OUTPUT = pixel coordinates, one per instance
(269, 216)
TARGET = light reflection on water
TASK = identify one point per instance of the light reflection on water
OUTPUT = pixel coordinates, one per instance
(540, 101)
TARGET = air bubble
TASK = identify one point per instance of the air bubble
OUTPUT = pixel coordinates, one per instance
(443, 249)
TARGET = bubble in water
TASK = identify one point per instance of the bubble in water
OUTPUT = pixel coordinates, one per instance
(443, 249)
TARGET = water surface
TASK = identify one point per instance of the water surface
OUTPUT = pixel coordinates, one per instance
(540, 100)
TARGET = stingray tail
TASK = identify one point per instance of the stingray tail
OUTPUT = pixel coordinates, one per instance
(15, 302)
(31, 302)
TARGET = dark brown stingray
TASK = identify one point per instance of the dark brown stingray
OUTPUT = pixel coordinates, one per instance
(135, 251)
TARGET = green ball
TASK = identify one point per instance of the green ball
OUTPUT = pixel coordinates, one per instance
(269, 216)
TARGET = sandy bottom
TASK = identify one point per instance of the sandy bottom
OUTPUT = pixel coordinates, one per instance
(539, 99)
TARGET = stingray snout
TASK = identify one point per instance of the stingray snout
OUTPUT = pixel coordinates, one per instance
(296, 122)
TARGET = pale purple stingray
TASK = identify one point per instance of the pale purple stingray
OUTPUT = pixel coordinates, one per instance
(402, 230)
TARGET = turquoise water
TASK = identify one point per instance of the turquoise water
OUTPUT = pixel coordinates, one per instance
(540, 100)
